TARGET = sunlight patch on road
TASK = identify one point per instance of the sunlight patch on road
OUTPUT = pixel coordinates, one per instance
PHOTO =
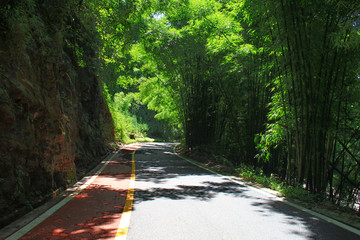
(269, 194)
(169, 153)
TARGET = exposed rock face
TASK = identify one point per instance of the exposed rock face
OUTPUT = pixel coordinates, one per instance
(53, 118)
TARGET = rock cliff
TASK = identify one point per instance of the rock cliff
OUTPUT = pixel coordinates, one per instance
(54, 121)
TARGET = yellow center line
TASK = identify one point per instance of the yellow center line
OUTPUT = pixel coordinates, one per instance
(123, 228)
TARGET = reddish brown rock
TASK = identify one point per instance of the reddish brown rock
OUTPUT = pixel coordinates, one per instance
(53, 118)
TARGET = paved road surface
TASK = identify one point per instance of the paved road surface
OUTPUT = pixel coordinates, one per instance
(91, 211)
(173, 200)
(177, 200)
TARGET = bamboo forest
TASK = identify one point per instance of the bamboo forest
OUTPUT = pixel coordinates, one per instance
(273, 85)
(270, 90)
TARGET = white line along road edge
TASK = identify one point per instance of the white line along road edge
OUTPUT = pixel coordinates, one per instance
(319, 215)
(21, 232)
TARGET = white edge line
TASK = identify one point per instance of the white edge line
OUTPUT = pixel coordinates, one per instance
(316, 214)
(21, 232)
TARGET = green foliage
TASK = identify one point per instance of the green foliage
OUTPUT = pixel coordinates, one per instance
(299, 193)
(71, 176)
(125, 121)
(269, 84)
(155, 94)
(186, 89)
(249, 173)
(142, 139)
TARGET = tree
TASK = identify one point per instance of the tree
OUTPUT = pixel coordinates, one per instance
(313, 57)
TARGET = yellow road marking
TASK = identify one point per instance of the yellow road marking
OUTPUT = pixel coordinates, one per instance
(123, 228)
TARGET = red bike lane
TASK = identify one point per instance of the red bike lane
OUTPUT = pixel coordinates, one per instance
(95, 211)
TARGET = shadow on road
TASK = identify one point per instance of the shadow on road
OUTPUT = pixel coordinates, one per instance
(162, 175)
(201, 193)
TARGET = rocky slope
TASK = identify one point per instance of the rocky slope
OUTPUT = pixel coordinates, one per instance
(53, 118)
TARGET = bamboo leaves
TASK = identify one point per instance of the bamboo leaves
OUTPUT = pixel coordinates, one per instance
(273, 79)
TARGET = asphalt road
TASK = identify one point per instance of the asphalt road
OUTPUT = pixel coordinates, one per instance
(177, 200)
(173, 199)
(90, 210)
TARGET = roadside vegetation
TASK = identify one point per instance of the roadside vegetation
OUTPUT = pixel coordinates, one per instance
(272, 184)
(271, 86)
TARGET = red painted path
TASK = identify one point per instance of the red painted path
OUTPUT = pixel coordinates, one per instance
(96, 211)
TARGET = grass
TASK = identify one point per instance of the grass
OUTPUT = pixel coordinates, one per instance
(140, 139)
(247, 173)
(275, 183)
(147, 139)
(257, 176)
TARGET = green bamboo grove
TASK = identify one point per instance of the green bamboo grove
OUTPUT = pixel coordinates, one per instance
(271, 84)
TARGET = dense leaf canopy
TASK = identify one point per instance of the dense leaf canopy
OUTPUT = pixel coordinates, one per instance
(271, 84)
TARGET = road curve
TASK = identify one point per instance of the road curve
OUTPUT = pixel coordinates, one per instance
(177, 200)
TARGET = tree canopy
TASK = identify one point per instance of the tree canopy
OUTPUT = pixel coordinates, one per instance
(271, 84)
